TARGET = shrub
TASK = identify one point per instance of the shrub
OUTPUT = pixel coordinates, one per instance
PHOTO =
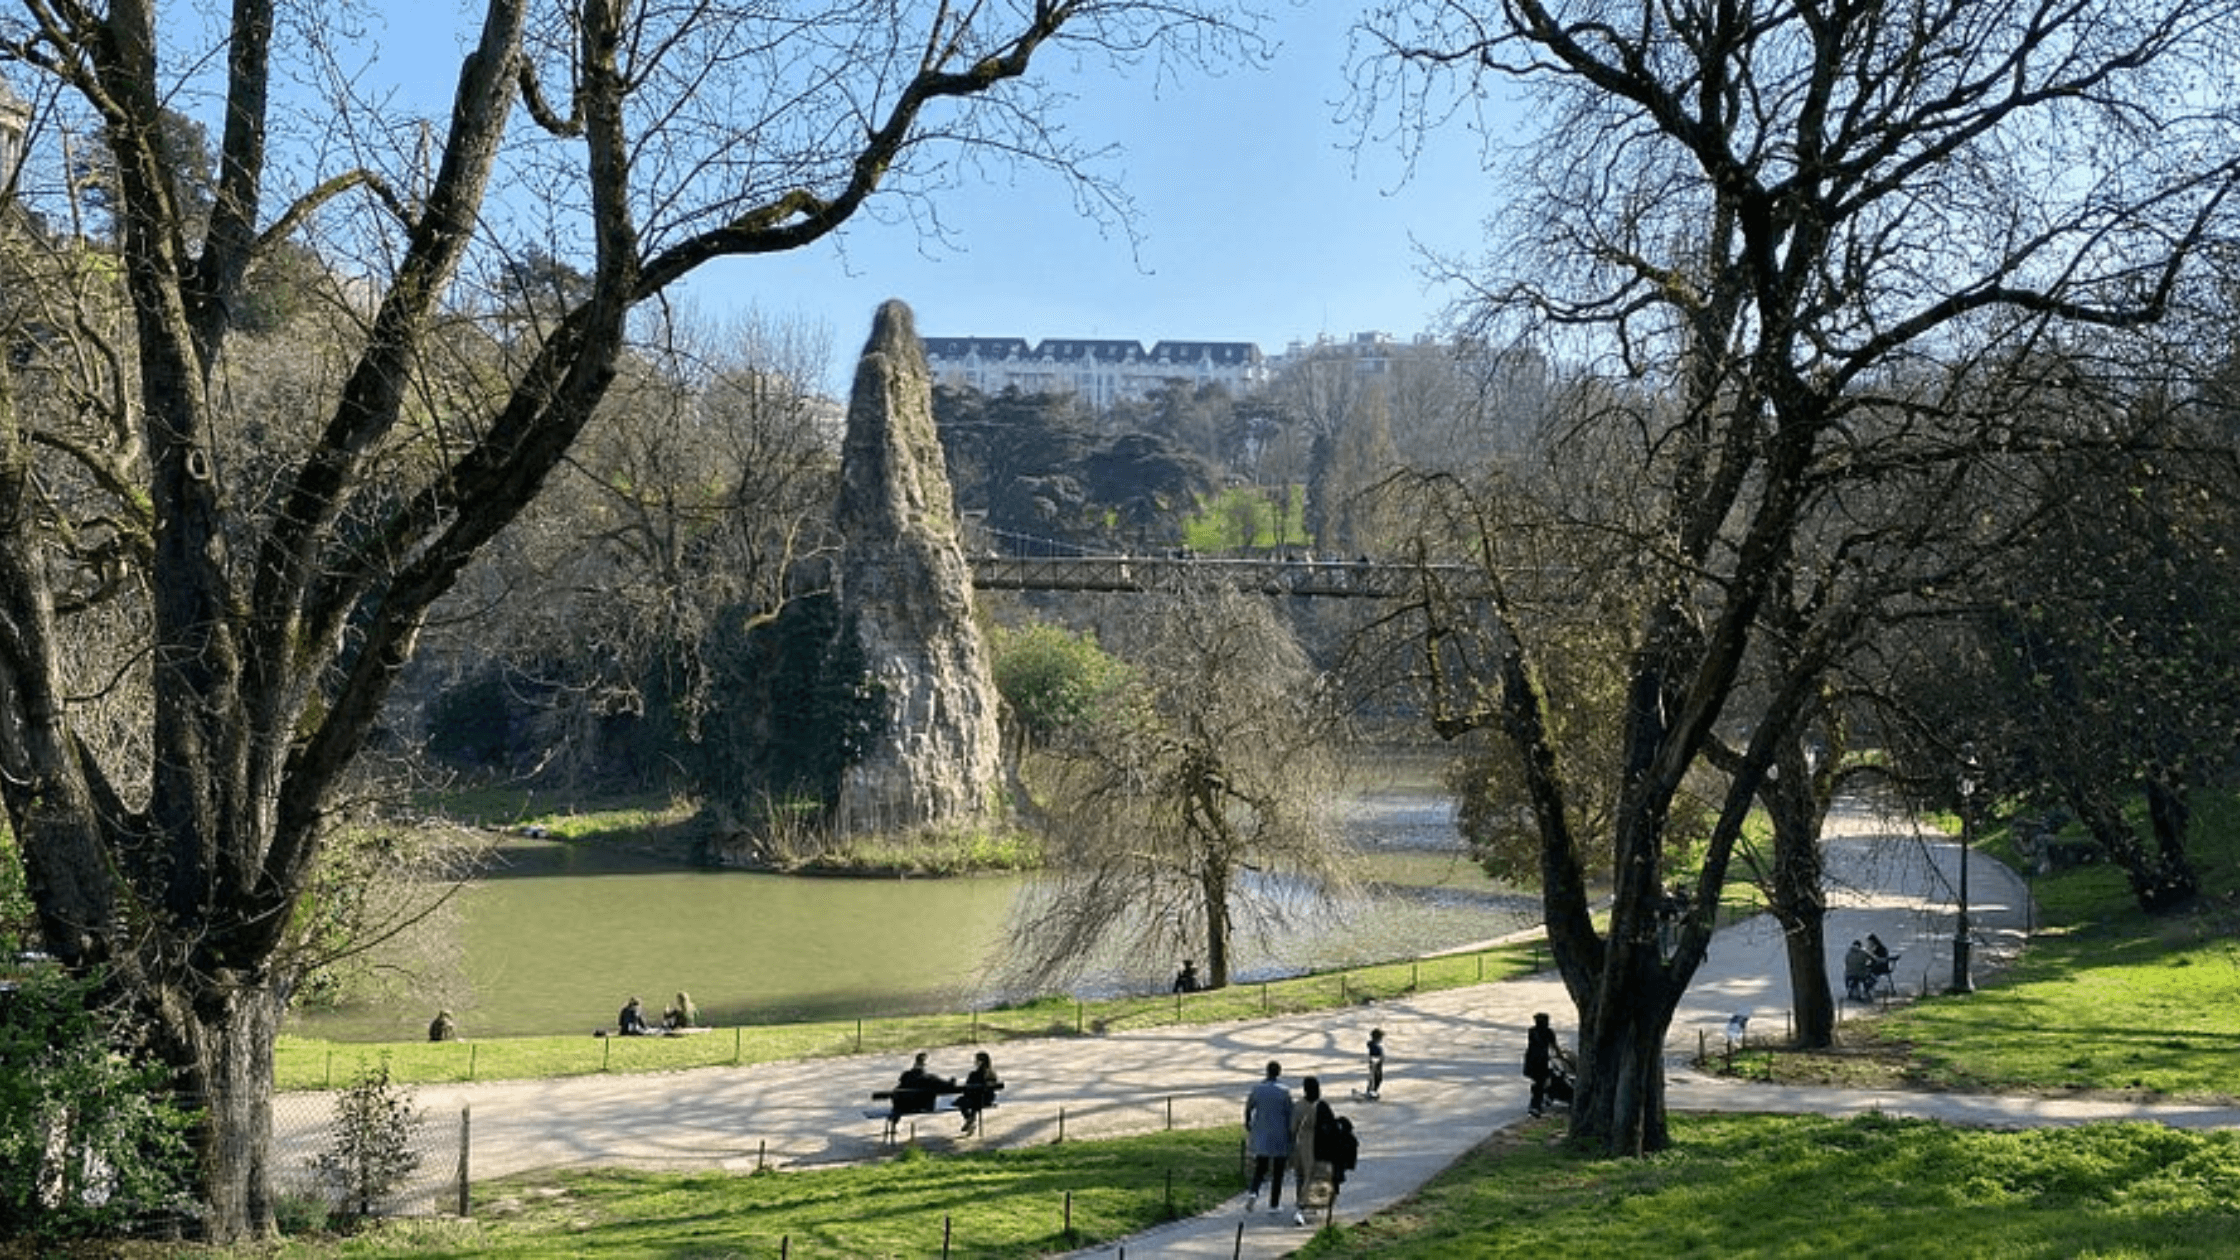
(372, 1153)
(90, 1141)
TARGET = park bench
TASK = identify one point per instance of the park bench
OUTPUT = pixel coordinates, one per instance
(916, 1102)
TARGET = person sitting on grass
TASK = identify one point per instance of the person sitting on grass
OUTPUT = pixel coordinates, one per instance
(632, 1021)
(681, 1014)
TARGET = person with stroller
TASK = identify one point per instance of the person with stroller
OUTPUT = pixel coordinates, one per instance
(1540, 1061)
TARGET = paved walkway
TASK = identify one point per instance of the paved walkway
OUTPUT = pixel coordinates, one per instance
(1452, 1078)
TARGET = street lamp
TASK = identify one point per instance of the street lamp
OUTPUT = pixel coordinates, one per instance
(1962, 981)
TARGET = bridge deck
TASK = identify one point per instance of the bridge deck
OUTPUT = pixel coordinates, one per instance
(1340, 579)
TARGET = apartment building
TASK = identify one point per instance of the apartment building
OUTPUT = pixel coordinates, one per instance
(1100, 371)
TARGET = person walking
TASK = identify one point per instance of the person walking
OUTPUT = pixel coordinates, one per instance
(1267, 1132)
(1311, 1117)
(1376, 1063)
(1539, 1060)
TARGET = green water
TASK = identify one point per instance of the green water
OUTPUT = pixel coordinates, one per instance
(554, 937)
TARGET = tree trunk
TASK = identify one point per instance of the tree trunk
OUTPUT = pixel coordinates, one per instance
(1213, 879)
(219, 1031)
(1799, 899)
(1620, 1107)
(2172, 884)
(2160, 875)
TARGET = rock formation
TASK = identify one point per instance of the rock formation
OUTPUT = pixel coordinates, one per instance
(905, 590)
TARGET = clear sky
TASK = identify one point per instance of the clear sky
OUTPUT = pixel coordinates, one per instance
(1259, 221)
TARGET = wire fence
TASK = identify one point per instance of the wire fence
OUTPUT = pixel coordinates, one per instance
(309, 1128)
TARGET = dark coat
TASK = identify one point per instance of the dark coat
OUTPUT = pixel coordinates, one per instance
(1539, 1049)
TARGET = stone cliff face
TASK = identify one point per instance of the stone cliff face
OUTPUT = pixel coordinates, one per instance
(906, 594)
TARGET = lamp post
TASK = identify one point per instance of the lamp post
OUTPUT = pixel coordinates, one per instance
(1962, 980)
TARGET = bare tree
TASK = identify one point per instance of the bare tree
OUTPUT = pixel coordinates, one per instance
(271, 622)
(707, 473)
(1820, 245)
(1218, 764)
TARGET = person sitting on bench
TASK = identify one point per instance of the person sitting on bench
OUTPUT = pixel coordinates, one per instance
(918, 1089)
(980, 1086)
(1858, 972)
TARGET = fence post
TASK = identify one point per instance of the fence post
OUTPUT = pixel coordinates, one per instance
(1069, 1215)
(761, 1154)
(606, 1052)
(859, 1034)
(466, 1207)
(738, 1043)
(1061, 1124)
(945, 1225)
(1415, 976)
(1077, 1025)
(1170, 1113)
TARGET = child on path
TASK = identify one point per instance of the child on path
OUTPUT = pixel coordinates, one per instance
(1376, 1063)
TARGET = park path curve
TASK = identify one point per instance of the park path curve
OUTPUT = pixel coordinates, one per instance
(1452, 1079)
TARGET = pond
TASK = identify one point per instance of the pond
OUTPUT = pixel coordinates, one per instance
(553, 937)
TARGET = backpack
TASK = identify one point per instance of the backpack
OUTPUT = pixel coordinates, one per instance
(1337, 1146)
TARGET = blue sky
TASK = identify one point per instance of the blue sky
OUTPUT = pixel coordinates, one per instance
(1258, 221)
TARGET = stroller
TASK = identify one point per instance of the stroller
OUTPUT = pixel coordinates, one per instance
(1561, 1068)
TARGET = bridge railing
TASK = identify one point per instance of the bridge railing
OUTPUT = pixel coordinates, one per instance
(1330, 579)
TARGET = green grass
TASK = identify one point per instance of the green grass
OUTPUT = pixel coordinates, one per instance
(1811, 1186)
(307, 1063)
(2106, 1000)
(987, 1204)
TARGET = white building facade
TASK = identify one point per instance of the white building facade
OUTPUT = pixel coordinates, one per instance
(1100, 372)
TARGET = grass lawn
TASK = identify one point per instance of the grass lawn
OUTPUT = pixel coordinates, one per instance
(985, 1204)
(1809, 1186)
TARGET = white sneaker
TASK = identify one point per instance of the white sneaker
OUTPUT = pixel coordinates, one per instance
(1298, 1218)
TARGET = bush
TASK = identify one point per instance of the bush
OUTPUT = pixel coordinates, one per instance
(90, 1141)
(372, 1154)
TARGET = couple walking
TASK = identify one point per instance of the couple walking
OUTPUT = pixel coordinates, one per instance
(1277, 1132)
